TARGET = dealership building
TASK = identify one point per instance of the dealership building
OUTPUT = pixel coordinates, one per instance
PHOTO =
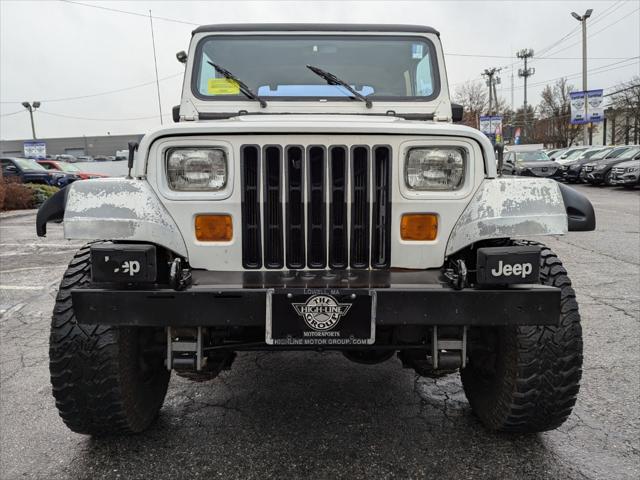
(86, 145)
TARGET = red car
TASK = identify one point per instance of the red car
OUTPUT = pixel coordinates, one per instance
(69, 168)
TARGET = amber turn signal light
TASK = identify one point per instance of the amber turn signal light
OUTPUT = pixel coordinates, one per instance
(214, 228)
(419, 226)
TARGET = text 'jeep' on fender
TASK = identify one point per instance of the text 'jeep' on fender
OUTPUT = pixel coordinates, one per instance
(315, 194)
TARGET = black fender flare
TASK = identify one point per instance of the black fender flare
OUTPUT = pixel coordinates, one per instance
(581, 216)
(51, 211)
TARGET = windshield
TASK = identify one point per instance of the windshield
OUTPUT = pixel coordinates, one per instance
(275, 66)
(539, 156)
(617, 152)
(66, 167)
(575, 154)
(630, 153)
(26, 164)
(601, 154)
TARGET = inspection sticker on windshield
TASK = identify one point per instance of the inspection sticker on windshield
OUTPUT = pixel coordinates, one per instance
(222, 86)
(416, 51)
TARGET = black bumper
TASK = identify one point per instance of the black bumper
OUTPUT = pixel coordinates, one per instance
(224, 299)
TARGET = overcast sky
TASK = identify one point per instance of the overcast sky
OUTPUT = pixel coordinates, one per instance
(53, 50)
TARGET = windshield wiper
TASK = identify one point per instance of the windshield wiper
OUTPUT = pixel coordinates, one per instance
(333, 80)
(243, 86)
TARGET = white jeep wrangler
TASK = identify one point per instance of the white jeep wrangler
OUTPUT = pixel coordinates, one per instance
(315, 195)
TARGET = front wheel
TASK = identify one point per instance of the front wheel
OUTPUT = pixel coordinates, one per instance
(106, 380)
(526, 378)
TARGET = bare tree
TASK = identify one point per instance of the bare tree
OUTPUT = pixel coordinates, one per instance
(472, 95)
(624, 112)
(555, 115)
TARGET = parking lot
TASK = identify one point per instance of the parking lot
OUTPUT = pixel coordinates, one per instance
(293, 415)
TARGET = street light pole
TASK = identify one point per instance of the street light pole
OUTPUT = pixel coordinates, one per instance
(583, 20)
(31, 108)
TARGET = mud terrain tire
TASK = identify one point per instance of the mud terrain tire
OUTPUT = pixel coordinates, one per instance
(525, 379)
(102, 382)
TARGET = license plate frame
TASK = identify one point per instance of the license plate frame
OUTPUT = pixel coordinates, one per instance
(320, 317)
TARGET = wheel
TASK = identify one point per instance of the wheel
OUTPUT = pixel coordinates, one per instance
(526, 378)
(106, 380)
(607, 178)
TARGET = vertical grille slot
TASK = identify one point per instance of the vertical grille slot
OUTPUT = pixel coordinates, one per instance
(381, 215)
(273, 241)
(250, 168)
(316, 236)
(360, 207)
(295, 207)
(338, 207)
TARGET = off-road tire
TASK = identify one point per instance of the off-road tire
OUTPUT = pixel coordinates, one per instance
(525, 379)
(102, 383)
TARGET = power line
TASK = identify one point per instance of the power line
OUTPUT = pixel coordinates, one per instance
(12, 113)
(127, 12)
(623, 90)
(63, 115)
(627, 15)
(108, 92)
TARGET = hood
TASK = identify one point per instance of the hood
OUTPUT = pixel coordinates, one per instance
(537, 164)
(629, 163)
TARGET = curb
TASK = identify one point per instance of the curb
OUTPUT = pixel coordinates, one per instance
(17, 213)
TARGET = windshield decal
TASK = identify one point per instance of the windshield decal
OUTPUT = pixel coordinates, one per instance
(222, 86)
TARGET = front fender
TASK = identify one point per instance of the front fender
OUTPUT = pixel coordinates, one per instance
(509, 207)
(119, 209)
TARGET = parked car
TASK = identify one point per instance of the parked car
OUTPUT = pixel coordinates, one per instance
(599, 172)
(100, 158)
(530, 164)
(626, 174)
(85, 158)
(70, 169)
(122, 155)
(571, 170)
(66, 158)
(25, 171)
(556, 153)
(569, 154)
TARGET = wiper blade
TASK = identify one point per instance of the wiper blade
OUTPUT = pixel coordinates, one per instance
(243, 86)
(333, 80)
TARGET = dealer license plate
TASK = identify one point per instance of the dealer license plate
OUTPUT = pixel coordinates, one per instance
(320, 317)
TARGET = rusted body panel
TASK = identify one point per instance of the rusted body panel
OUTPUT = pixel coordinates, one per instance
(120, 209)
(510, 207)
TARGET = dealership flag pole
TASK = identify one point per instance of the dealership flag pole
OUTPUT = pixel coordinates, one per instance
(155, 61)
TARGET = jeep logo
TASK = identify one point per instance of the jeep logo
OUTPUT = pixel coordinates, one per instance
(517, 269)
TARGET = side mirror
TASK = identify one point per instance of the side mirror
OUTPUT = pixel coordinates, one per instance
(457, 112)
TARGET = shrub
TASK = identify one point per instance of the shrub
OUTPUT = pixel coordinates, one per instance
(41, 192)
(18, 196)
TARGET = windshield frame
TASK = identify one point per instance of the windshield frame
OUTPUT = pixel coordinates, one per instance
(431, 47)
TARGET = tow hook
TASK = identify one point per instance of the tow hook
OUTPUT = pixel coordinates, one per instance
(457, 274)
(179, 278)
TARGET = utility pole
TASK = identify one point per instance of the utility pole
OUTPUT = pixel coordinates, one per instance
(155, 62)
(31, 107)
(583, 20)
(492, 78)
(526, 72)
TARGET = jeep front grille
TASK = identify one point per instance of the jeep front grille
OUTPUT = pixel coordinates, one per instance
(317, 206)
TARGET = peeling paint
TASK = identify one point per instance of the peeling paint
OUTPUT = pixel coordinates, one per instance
(119, 209)
(510, 207)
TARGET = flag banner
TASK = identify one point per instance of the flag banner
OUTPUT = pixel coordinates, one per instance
(578, 108)
(595, 106)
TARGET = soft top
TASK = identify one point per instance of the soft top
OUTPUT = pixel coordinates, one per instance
(315, 27)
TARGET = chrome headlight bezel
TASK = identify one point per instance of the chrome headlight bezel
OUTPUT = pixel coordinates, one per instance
(207, 178)
(436, 175)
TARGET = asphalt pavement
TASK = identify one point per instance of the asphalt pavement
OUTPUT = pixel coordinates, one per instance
(312, 415)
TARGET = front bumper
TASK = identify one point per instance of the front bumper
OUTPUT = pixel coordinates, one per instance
(239, 299)
(626, 179)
